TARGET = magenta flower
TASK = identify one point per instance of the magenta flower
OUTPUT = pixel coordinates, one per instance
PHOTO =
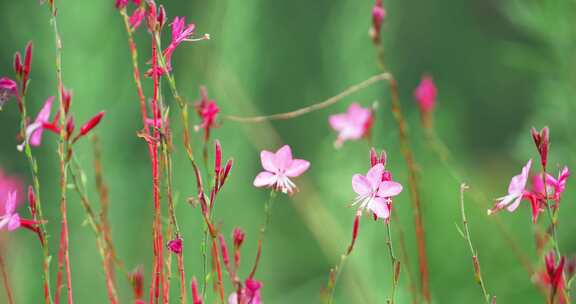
(354, 124)
(208, 110)
(248, 295)
(137, 17)
(558, 185)
(279, 168)
(10, 219)
(378, 14)
(375, 191)
(8, 89)
(425, 94)
(516, 191)
(180, 32)
(34, 130)
(9, 184)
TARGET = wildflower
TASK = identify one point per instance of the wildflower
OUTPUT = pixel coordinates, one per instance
(34, 130)
(175, 245)
(354, 124)
(8, 89)
(558, 184)
(278, 168)
(10, 219)
(137, 17)
(180, 32)
(378, 14)
(375, 191)
(425, 95)
(250, 294)
(208, 110)
(516, 191)
(542, 141)
(9, 184)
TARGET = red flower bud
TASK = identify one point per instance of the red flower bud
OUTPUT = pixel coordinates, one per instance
(27, 65)
(161, 18)
(542, 141)
(136, 278)
(175, 245)
(196, 299)
(217, 157)
(32, 201)
(67, 99)
(69, 127)
(18, 68)
(91, 124)
(238, 237)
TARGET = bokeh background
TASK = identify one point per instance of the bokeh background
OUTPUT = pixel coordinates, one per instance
(500, 67)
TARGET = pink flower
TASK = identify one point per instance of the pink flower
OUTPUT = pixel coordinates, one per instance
(248, 295)
(425, 94)
(34, 130)
(375, 191)
(279, 167)
(354, 124)
(10, 219)
(8, 89)
(9, 184)
(208, 110)
(378, 14)
(180, 32)
(137, 17)
(558, 184)
(516, 191)
(175, 245)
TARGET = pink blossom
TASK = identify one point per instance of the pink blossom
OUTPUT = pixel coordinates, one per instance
(558, 185)
(425, 94)
(378, 15)
(180, 32)
(208, 110)
(175, 245)
(516, 191)
(354, 124)
(375, 191)
(9, 184)
(137, 17)
(250, 294)
(279, 167)
(10, 219)
(8, 89)
(34, 130)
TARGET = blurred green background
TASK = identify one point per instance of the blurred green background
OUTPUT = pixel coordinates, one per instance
(500, 67)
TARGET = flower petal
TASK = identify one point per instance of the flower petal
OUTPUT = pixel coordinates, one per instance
(338, 122)
(265, 179)
(14, 222)
(361, 185)
(268, 160)
(518, 182)
(297, 167)
(515, 204)
(389, 188)
(283, 157)
(10, 205)
(374, 175)
(380, 207)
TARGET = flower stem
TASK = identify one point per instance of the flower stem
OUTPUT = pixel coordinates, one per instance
(395, 263)
(476, 262)
(263, 228)
(5, 280)
(412, 178)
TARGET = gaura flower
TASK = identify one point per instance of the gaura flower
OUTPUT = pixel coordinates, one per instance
(8, 89)
(279, 168)
(208, 110)
(34, 130)
(10, 219)
(180, 32)
(425, 94)
(516, 191)
(354, 124)
(375, 191)
(250, 294)
(558, 185)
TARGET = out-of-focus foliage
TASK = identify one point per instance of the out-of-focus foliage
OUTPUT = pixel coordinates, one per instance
(500, 67)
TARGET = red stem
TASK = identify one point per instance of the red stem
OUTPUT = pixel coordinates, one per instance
(6, 282)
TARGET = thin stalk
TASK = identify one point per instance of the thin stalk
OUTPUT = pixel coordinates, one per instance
(63, 155)
(405, 260)
(395, 263)
(263, 229)
(5, 280)
(39, 216)
(476, 262)
(314, 107)
(412, 177)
